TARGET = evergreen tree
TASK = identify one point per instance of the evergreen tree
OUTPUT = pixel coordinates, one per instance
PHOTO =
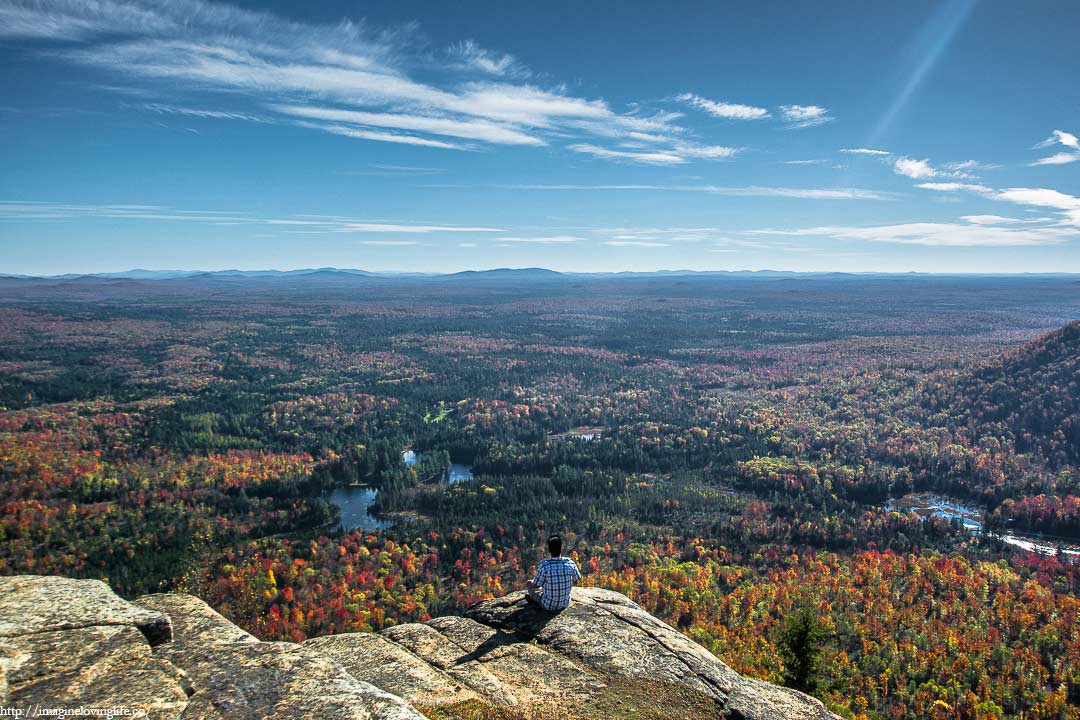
(799, 645)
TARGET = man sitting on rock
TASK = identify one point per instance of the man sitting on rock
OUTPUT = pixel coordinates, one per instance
(555, 576)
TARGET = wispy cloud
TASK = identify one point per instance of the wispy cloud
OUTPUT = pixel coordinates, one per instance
(726, 110)
(468, 54)
(1067, 205)
(1062, 158)
(966, 166)
(390, 243)
(636, 243)
(345, 78)
(389, 170)
(32, 211)
(935, 234)
(1067, 140)
(994, 219)
(546, 240)
(804, 116)
(819, 161)
(163, 109)
(484, 130)
(915, 169)
(644, 157)
(395, 228)
(380, 136)
(743, 191)
(955, 187)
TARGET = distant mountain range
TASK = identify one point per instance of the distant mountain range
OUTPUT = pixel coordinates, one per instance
(509, 274)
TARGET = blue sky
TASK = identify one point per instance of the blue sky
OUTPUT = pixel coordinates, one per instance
(853, 136)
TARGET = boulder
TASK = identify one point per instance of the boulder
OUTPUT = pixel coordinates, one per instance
(392, 668)
(193, 621)
(73, 643)
(277, 680)
(102, 666)
(42, 603)
(609, 633)
(433, 647)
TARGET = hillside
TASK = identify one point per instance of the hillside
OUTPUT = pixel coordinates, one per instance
(1030, 394)
(73, 643)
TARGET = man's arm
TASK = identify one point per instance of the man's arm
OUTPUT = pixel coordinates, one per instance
(538, 578)
(577, 573)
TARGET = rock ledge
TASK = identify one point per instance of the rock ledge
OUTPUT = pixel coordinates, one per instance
(74, 643)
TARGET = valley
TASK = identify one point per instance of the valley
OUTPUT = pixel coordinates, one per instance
(356, 452)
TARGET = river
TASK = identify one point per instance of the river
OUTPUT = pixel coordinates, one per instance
(927, 504)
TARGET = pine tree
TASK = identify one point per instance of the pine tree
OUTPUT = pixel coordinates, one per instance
(799, 645)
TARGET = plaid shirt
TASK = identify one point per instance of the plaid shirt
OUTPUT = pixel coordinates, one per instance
(556, 576)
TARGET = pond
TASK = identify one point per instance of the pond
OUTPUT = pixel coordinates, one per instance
(457, 472)
(927, 504)
(355, 503)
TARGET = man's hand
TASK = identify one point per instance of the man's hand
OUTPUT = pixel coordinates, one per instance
(529, 584)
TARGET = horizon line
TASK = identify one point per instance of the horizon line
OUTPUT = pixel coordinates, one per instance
(177, 273)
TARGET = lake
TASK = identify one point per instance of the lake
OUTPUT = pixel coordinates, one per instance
(355, 503)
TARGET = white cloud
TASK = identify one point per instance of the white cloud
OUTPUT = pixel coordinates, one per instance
(1060, 137)
(744, 191)
(803, 193)
(921, 169)
(730, 111)
(470, 129)
(472, 56)
(380, 136)
(25, 210)
(941, 234)
(976, 230)
(963, 166)
(647, 158)
(1069, 205)
(389, 243)
(804, 116)
(991, 219)
(706, 152)
(915, 169)
(955, 187)
(548, 240)
(388, 227)
(307, 72)
(390, 170)
(200, 113)
(1062, 158)
(636, 243)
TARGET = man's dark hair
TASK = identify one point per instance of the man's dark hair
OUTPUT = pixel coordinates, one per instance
(555, 545)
